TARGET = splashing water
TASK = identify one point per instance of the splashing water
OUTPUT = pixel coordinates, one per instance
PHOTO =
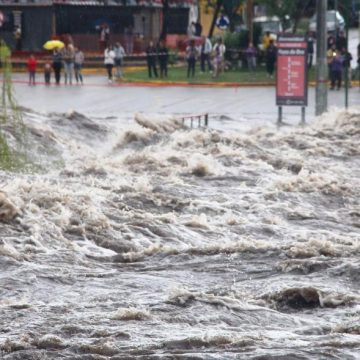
(157, 241)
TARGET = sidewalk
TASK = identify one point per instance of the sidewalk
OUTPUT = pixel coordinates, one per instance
(231, 107)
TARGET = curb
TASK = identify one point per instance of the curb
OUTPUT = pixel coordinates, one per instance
(159, 83)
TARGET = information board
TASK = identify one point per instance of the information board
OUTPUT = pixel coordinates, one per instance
(291, 76)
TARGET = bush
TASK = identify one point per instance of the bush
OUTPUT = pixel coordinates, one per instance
(9, 112)
(173, 56)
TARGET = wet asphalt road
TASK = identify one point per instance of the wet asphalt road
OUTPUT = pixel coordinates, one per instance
(245, 105)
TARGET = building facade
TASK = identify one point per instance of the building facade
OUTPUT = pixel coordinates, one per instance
(82, 20)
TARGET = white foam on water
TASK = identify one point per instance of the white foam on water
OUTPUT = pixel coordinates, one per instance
(260, 226)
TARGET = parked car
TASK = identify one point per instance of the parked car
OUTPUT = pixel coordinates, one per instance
(267, 23)
(334, 22)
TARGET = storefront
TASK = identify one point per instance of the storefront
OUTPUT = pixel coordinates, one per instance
(81, 21)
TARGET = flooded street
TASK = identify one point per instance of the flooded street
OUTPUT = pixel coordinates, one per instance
(140, 238)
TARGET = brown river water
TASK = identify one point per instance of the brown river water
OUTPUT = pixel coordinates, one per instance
(156, 241)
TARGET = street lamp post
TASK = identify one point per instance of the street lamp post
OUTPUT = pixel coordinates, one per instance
(321, 69)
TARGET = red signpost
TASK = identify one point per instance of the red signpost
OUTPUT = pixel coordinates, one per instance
(292, 74)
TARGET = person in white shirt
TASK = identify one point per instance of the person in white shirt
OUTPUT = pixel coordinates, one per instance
(219, 57)
(205, 53)
(109, 60)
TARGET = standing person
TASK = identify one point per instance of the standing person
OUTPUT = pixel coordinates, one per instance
(78, 64)
(206, 48)
(266, 40)
(331, 41)
(129, 39)
(198, 28)
(104, 37)
(219, 57)
(119, 58)
(330, 54)
(18, 38)
(57, 65)
(310, 50)
(47, 73)
(341, 42)
(191, 54)
(271, 59)
(347, 58)
(251, 57)
(191, 30)
(151, 59)
(31, 65)
(68, 58)
(109, 60)
(336, 66)
(163, 56)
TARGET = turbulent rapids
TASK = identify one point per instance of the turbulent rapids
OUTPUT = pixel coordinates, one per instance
(155, 241)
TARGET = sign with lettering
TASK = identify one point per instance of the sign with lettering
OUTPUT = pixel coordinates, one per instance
(291, 77)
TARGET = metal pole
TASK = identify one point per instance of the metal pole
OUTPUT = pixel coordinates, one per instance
(347, 68)
(321, 95)
(336, 8)
(359, 27)
(250, 16)
(279, 115)
(303, 115)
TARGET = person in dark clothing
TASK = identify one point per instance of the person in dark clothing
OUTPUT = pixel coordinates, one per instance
(198, 29)
(310, 49)
(151, 59)
(57, 65)
(336, 67)
(271, 58)
(163, 56)
(18, 38)
(331, 42)
(347, 58)
(191, 54)
(47, 73)
(341, 42)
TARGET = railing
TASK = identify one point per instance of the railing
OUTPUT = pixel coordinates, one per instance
(198, 117)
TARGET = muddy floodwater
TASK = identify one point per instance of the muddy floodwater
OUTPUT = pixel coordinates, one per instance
(154, 241)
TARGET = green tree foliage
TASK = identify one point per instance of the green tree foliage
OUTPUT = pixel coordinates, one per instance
(231, 8)
(227, 7)
(10, 115)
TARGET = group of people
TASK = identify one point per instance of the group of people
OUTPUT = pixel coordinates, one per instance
(212, 57)
(269, 50)
(114, 57)
(339, 60)
(338, 57)
(69, 58)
